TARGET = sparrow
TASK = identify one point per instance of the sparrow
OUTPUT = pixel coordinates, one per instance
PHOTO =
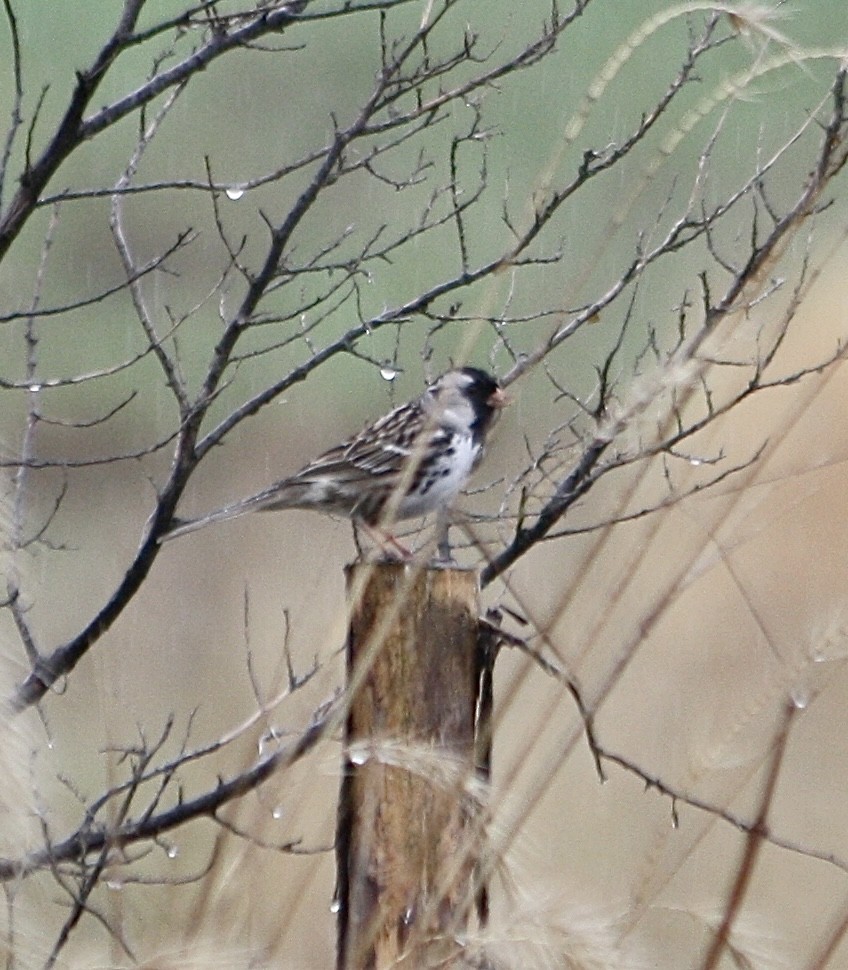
(414, 460)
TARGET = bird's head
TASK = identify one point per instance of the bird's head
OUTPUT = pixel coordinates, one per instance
(467, 399)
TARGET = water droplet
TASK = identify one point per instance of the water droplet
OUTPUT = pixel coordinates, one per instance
(335, 906)
(115, 884)
(235, 192)
(35, 388)
(267, 740)
(358, 756)
(278, 812)
(388, 373)
(695, 462)
(800, 697)
(172, 852)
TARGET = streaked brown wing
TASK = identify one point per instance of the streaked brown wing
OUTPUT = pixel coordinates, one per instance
(379, 452)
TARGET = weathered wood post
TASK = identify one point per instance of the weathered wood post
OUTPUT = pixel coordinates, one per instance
(409, 819)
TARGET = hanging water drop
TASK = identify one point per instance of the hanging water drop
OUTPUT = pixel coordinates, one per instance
(388, 373)
(234, 193)
(267, 739)
(800, 697)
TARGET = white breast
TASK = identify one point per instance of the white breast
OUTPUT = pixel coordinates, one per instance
(443, 480)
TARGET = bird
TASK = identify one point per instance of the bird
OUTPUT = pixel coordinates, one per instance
(412, 461)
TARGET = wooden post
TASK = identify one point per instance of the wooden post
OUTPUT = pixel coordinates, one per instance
(408, 816)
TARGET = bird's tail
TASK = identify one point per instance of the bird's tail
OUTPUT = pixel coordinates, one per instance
(181, 527)
(274, 497)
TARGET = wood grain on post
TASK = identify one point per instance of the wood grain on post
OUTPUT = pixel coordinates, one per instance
(407, 817)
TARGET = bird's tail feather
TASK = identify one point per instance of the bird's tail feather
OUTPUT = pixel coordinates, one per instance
(270, 498)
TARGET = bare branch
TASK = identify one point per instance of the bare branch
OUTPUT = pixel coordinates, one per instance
(753, 844)
(16, 119)
(88, 841)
